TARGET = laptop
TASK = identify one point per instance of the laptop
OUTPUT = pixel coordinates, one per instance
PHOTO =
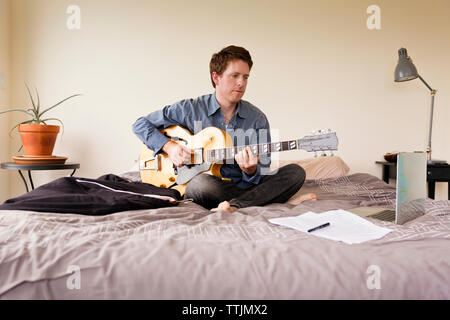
(411, 191)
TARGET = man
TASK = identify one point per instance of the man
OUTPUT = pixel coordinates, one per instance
(252, 183)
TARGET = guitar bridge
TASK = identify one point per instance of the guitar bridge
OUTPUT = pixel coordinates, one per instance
(143, 162)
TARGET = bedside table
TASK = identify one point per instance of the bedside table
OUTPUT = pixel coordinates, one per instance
(31, 167)
(435, 173)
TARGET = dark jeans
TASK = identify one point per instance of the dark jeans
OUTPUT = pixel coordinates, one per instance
(208, 190)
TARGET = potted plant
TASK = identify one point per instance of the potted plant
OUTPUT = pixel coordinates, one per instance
(38, 137)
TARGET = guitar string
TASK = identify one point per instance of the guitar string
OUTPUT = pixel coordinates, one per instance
(259, 148)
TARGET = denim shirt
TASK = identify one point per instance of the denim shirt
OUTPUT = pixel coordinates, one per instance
(249, 125)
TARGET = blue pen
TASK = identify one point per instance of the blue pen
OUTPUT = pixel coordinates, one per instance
(319, 227)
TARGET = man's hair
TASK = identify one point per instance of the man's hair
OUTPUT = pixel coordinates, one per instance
(219, 61)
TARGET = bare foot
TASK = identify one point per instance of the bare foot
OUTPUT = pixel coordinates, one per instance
(308, 196)
(225, 206)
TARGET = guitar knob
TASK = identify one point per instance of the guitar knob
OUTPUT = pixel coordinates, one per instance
(331, 154)
(313, 132)
(315, 154)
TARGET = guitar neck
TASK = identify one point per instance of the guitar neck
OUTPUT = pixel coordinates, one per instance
(214, 155)
(321, 142)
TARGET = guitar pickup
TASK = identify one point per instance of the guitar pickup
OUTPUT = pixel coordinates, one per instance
(155, 166)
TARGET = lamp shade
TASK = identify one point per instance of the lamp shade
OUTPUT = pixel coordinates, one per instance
(405, 69)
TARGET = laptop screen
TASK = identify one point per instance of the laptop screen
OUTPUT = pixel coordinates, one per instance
(411, 186)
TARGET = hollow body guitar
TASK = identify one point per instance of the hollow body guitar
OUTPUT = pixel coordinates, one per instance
(211, 148)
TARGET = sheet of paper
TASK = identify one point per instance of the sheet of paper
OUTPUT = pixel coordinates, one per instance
(344, 226)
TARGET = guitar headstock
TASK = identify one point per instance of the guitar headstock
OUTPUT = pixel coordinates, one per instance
(323, 140)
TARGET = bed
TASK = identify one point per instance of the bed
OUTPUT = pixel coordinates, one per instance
(187, 252)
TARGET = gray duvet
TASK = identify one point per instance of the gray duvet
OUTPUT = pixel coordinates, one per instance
(187, 252)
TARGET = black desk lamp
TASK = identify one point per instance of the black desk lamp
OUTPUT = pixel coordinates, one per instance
(406, 71)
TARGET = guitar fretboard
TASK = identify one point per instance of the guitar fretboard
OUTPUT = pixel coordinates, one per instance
(257, 149)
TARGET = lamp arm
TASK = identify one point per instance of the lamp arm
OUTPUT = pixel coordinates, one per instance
(433, 92)
(428, 86)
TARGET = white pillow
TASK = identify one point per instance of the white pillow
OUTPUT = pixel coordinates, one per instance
(316, 168)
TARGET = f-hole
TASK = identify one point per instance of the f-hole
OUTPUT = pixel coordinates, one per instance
(175, 138)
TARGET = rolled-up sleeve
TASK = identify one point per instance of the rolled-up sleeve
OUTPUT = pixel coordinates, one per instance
(147, 129)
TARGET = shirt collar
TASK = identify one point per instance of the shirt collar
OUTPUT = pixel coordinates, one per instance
(214, 106)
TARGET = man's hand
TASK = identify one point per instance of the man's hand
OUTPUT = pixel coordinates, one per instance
(247, 161)
(177, 153)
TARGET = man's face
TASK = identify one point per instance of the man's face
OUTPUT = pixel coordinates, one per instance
(231, 84)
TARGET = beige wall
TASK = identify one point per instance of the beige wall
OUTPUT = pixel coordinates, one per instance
(316, 66)
(5, 154)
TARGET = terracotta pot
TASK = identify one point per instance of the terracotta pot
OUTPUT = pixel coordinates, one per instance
(38, 139)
